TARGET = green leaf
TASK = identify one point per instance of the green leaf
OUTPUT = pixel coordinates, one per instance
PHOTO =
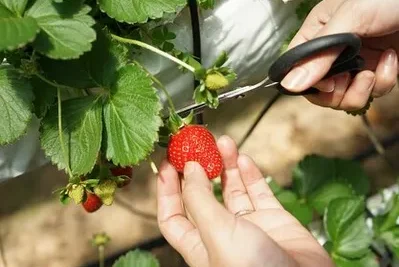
(355, 240)
(97, 68)
(131, 116)
(391, 238)
(369, 260)
(137, 258)
(301, 211)
(315, 171)
(17, 7)
(66, 31)
(15, 31)
(15, 104)
(82, 132)
(139, 11)
(45, 96)
(345, 225)
(206, 4)
(392, 217)
(311, 173)
(321, 197)
(352, 173)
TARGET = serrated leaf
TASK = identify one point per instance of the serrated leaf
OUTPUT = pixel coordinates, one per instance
(96, 68)
(321, 197)
(352, 173)
(391, 238)
(17, 7)
(131, 117)
(391, 219)
(315, 171)
(346, 228)
(139, 11)
(137, 258)
(106, 191)
(66, 31)
(45, 96)
(355, 240)
(369, 260)
(301, 211)
(15, 31)
(82, 132)
(15, 104)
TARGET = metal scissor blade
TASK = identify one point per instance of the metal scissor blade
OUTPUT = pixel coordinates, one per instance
(233, 94)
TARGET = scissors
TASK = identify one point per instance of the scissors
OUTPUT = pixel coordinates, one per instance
(348, 61)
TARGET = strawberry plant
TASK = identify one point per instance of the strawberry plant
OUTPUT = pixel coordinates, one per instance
(75, 65)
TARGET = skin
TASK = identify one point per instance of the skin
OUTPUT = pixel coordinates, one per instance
(206, 233)
(377, 23)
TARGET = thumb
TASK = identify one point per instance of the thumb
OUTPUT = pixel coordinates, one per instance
(210, 217)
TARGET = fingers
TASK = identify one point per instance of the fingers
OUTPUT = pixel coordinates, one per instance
(172, 221)
(386, 73)
(359, 91)
(209, 215)
(235, 195)
(259, 192)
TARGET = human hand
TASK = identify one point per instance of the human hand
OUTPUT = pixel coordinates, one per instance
(377, 22)
(206, 233)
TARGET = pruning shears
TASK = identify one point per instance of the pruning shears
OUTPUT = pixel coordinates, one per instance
(348, 61)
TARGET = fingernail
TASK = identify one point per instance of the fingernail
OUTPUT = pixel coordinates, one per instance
(326, 86)
(189, 168)
(295, 78)
(390, 59)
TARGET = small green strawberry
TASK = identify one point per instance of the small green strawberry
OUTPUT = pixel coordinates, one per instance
(105, 190)
(76, 193)
(216, 81)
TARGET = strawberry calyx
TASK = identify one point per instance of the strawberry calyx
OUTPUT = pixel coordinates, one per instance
(216, 78)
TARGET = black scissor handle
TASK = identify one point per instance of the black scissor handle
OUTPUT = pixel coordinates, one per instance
(348, 61)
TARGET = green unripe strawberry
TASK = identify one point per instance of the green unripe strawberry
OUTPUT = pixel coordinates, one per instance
(216, 81)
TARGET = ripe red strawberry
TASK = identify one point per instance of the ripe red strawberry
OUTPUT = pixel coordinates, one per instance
(195, 143)
(92, 202)
(123, 171)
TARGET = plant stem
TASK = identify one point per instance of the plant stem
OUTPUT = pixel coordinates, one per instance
(101, 256)
(155, 50)
(153, 166)
(60, 133)
(56, 85)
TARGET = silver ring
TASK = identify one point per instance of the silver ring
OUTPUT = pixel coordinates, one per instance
(243, 212)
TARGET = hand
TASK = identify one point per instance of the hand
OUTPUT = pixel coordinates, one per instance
(377, 22)
(206, 233)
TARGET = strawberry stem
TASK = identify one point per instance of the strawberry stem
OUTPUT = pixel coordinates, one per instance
(101, 256)
(56, 85)
(153, 166)
(61, 135)
(155, 50)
